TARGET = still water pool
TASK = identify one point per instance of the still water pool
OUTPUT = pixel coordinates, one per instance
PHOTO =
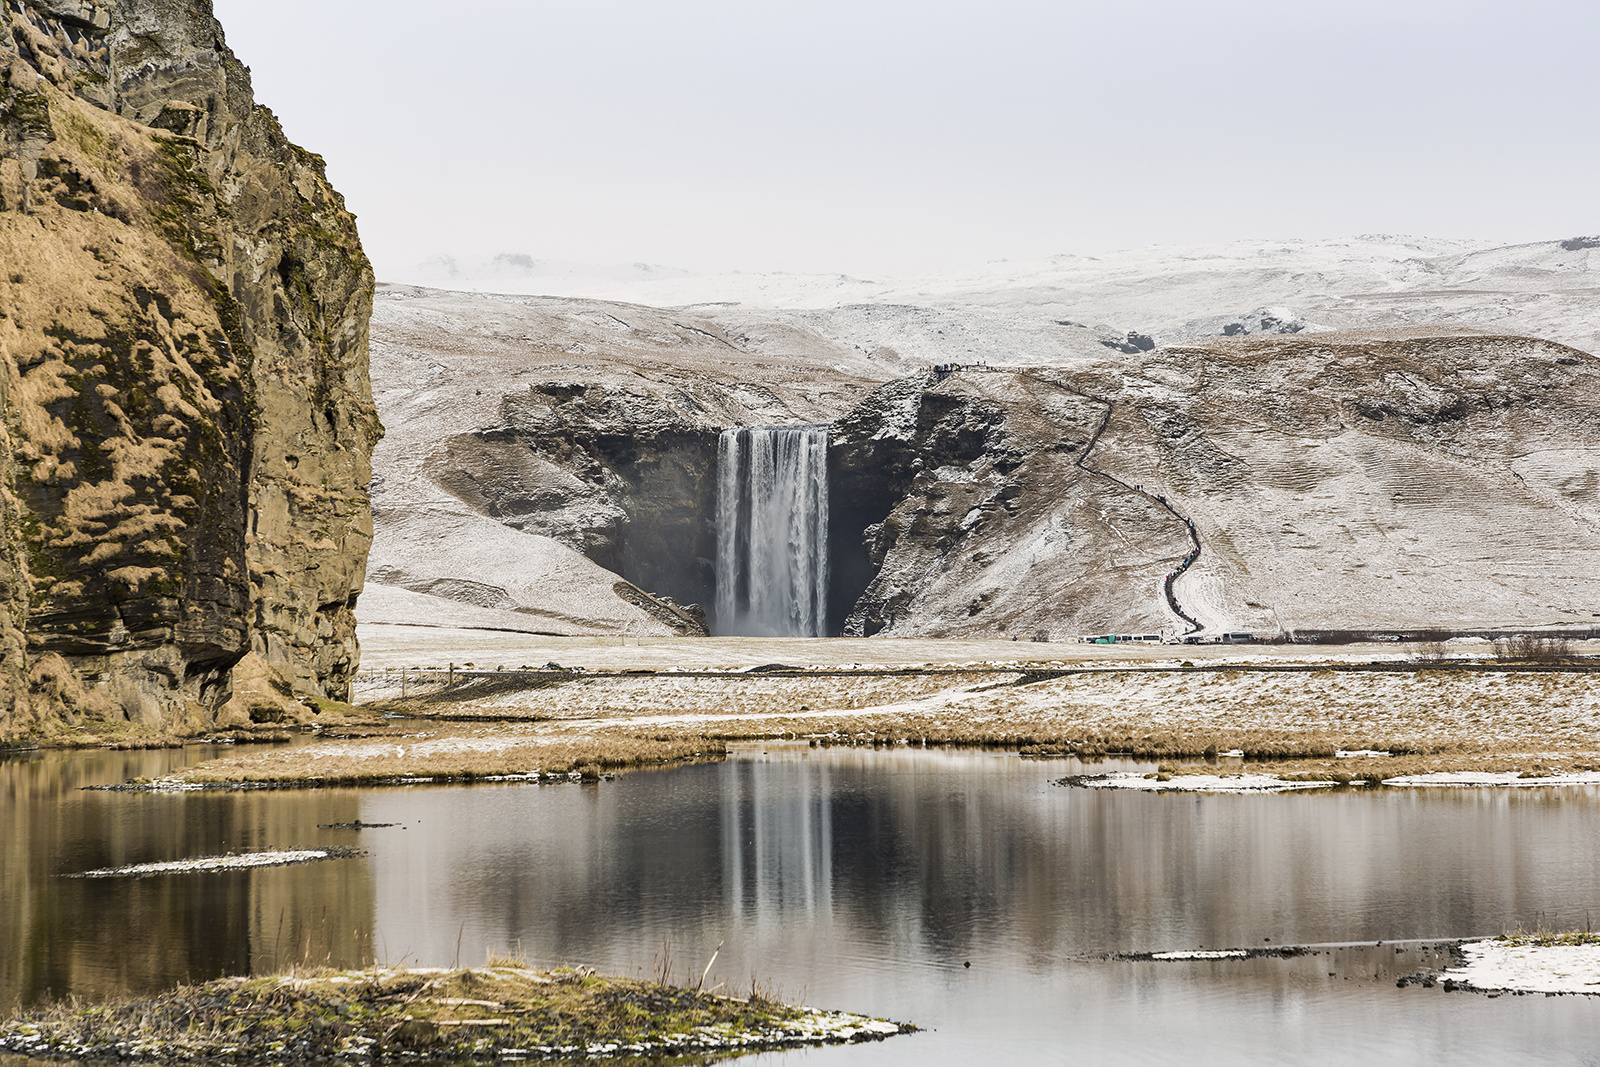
(963, 892)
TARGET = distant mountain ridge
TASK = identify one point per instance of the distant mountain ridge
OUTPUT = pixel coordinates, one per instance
(1540, 289)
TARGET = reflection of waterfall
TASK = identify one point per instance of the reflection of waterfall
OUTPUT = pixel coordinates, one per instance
(772, 531)
(778, 842)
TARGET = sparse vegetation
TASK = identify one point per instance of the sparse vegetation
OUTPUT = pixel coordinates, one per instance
(1404, 720)
(387, 1014)
(455, 754)
(1429, 652)
(1571, 937)
(1533, 648)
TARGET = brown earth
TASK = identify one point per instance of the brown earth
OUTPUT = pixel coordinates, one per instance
(183, 376)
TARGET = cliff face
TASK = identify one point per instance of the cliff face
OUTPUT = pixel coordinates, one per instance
(550, 463)
(1435, 478)
(183, 315)
(1330, 482)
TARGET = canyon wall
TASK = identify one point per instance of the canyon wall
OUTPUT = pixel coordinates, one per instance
(1306, 484)
(550, 465)
(184, 306)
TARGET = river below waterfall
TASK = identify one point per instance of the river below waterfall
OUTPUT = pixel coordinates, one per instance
(963, 892)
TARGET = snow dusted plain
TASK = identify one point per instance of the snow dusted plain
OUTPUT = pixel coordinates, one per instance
(1010, 311)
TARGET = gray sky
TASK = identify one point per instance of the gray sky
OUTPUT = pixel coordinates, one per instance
(890, 136)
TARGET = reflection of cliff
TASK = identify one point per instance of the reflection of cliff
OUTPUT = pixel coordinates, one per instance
(836, 860)
(187, 418)
(810, 866)
(61, 935)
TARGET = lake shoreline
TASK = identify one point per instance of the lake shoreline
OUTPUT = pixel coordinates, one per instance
(1228, 720)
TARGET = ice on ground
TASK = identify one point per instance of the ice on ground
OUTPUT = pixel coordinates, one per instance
(1502, 965)
(244, 861)
(1488, 778)
(1203, 954)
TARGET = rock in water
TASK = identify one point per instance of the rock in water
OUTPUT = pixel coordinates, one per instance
(188, 420)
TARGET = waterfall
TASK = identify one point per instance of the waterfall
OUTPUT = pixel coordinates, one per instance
(772, 531)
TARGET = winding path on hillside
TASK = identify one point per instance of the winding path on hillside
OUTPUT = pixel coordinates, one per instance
(1170, 581)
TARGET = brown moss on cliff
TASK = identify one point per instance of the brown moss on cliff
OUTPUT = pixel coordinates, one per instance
(183, 367)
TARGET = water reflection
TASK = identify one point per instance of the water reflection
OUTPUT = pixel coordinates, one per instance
(96, 936)
(873, 880)
(954, 889)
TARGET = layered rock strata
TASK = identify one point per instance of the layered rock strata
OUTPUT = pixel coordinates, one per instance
(573, 443)
(1303, 484)
(183, 329)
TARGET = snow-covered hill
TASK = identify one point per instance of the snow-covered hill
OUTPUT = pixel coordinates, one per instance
(1392, 453)
(1013, 311)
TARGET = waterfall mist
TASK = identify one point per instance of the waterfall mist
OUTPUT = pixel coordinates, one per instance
(772, 531)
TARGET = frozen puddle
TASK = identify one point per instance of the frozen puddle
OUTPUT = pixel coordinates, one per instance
(240, 862)
(1505, 966)
(1268, 783)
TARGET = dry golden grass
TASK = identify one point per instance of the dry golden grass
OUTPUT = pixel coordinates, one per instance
(623, 695)
(1289, 723)
(451, 753)
(456, 1016)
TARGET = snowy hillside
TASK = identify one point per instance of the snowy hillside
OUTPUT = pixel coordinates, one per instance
(1014, 311)
(1392, 453)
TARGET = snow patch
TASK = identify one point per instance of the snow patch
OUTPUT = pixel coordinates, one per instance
(1191, 783)
(1494, 966)
(1491, 778)
(243, 861)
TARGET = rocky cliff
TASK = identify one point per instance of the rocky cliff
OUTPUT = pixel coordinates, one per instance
(1416, 479)
(183, 330)
(550, 463)
(1391, 480)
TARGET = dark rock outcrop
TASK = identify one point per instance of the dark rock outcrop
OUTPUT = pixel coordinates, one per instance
(188, 420)
(988, 523)
(640, 467)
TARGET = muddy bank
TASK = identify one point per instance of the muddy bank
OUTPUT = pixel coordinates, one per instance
(413, 754)
(481, 1015)
(331, 716)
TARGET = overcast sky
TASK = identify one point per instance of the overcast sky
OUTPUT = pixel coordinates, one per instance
(886, 136)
